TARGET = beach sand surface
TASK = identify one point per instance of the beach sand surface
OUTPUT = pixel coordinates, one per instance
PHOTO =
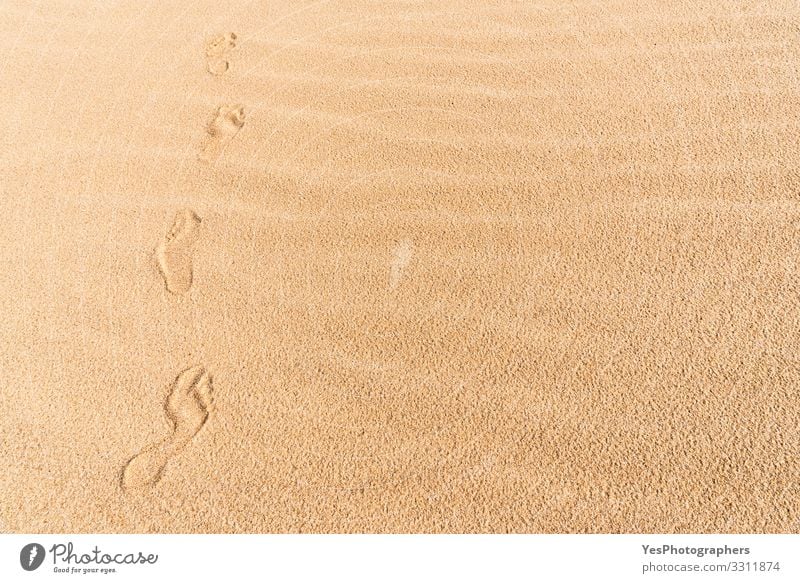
(381, 266)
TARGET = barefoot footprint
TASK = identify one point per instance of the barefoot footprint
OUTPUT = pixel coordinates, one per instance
(217, 51)
(174, 253)
(187, 409)
(228, 120)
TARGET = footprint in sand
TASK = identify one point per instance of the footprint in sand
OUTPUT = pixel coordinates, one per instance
(187, 409)
(228, 120)
(174, 253)
(401, 256)
(217, 51)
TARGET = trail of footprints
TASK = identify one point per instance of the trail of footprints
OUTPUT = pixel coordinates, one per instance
(188, 405)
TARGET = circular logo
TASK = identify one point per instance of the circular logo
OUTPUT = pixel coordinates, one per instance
(31, 556)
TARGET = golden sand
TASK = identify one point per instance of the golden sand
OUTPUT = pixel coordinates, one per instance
(400, 266)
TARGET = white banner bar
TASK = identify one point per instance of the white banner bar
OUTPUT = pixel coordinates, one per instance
(373, 558)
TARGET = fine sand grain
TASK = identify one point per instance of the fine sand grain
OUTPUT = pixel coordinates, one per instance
(384, 266)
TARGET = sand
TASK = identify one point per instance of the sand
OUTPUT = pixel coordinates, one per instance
(351, 266)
